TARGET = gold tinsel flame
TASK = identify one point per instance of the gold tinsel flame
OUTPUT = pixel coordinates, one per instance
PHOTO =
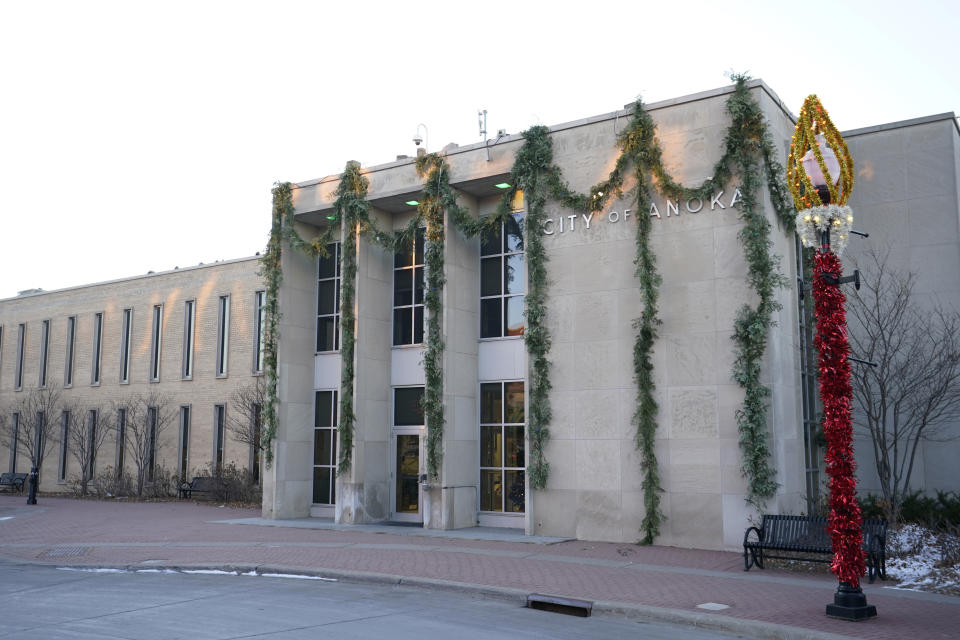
(814, 120)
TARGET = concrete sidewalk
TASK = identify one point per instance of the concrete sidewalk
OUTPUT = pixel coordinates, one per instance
(661, 583)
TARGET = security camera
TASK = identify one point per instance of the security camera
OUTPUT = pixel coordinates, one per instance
(417, 139)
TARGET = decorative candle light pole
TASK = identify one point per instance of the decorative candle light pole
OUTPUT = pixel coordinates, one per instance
(820, 177)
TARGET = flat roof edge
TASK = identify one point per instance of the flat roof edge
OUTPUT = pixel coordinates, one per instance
(131, 278)
(948, 115)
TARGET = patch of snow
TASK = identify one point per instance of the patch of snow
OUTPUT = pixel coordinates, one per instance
(92, 570)
(296, 576)
(211, 572)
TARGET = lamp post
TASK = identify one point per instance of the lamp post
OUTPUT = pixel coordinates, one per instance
(820, 181)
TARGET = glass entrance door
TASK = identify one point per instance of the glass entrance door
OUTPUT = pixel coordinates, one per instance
(407, 478)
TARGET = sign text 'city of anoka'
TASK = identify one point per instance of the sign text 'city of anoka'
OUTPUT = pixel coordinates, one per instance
(672, 208)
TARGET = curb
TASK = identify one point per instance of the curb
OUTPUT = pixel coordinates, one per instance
(709, 621)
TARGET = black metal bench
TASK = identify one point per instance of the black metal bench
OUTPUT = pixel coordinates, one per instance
(14, 481)
(199, 484)
(806, 538)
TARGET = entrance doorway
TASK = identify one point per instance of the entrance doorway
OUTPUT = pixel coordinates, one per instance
(406, 485)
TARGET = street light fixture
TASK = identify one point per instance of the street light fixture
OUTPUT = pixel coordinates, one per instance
(820, 177)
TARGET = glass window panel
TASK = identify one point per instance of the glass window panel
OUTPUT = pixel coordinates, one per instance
(514, 400)
(513, 240)
(333, 484)
(326, 333)
(328, 265)
(491, 406)
(402, 325)
(407, 406)
(513, 323)
(514, 491)
(403, 258)
(513, 274)
(490, 318)
(491, 490)
(418, 286)
(321, 485)
(490, 243)
(513, 447)
(326, 297)
(417, 325)
(322, 446)
(408, 473)
(323, 406)
(418, 250)
(491, 448)
(490, 279)
(402, 287)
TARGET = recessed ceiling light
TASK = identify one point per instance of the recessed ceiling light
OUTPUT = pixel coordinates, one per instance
(412, 203)
(502, 185)
(331, 217)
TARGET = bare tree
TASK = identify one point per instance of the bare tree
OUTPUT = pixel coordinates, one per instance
(148, 416)
(87, 428)
(35, 429)
(245, 420)
(913, 394)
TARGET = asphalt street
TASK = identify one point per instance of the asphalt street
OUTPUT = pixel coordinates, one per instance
(55, 603)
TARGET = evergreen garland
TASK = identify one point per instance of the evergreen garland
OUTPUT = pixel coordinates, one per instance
(747, 141)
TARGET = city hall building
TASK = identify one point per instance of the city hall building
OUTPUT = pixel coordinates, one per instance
(906, 194)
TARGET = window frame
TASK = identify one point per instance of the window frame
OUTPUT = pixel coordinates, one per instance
(15, 446)
(21, 348)
(126, 343)
(219, 436)
(420, 236)
(183, 449)
(156, 342)
(62, 458)
(44, 353)
(189, 341)
(222, 365)
(337, 280)
(69, 357)
(151, 466)
(96, 352)
(93, 423)
(121, 442)
(503, 468)
(502, 256)
(334, 420)
(259, 330)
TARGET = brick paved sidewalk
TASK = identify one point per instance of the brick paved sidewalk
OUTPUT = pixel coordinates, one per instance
(662, 581)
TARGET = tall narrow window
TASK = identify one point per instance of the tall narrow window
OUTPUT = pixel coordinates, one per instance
(219, 419)
(71, 348)
(126, 339)
(21, 343)
(39, 444)
(1, 347)
(325, 448)
(260, 326)
(97, 348)
(328, 299)
(121, 440)
(151, 443)
(44, 347)
(256, 414)
(502, 280)
(502, 452)
(156, 338)
(408, 293)
(64, 435)
(189, 317)
(92, 426)
(14, 442)
(184, 442)
(223, 335)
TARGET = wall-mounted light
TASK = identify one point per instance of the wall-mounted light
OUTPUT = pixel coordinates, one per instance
(412, 203)
(502, 185)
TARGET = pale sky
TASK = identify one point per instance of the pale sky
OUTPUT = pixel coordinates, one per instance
(140, 136)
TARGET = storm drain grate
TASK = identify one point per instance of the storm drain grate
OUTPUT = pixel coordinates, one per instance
(558, 604)
(60, 552)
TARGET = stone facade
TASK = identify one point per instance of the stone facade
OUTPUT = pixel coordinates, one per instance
(205, 285)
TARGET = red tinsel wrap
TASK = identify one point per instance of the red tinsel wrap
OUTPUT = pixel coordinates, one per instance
(845, 521)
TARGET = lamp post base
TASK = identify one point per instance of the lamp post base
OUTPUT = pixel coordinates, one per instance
(849, 603)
